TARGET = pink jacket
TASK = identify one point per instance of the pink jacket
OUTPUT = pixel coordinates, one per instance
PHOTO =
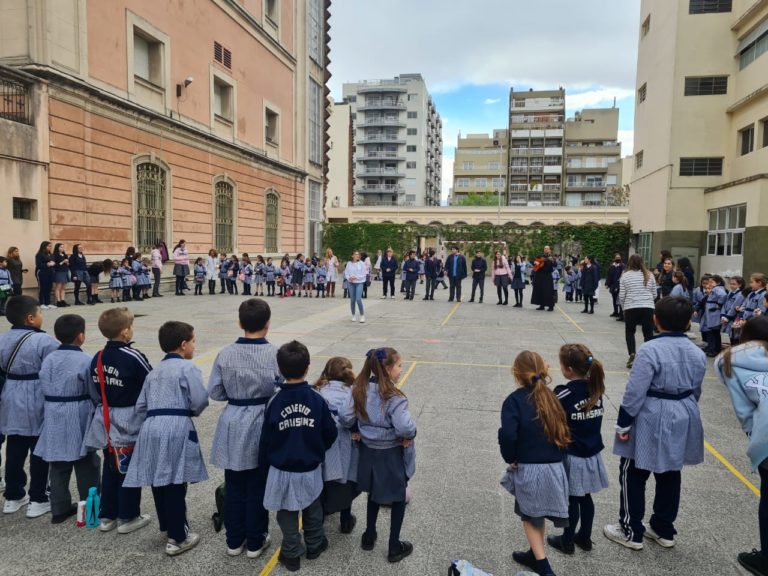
(181, 256)
(157, 258)
(504, 271)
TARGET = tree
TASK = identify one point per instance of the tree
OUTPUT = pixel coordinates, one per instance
(474, 199)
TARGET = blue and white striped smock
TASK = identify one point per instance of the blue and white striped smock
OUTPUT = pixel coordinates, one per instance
(540, 490)
(585, 475)
(126, 275)
(341, 459)
(116, 278)
(258, 269)
(66, 375)
(168, 450)
(292, 490)
(245, 370)
(269, 273)
(21, 404)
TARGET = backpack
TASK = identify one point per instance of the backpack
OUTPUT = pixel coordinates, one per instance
(218, 516)
(466, 568)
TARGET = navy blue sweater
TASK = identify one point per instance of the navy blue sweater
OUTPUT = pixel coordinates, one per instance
(298, 429)
(586, 439)
(124, 372)
(388, 267)
(521, 436)
(411, 269)
(479, 264)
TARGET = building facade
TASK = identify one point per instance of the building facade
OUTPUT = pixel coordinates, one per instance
(152, 123)
(397, 141)
(700, 179)
(480, 167)
(340, 157)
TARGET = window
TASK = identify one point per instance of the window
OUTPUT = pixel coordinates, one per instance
(222, 55)
(412, 97)
(411, 148)
(271, 202)
(467, 165)
(641, 93)
(498, 182)
(315, 201)
(412, 131)
(151, 192)
(725, 233)
(747, 140)
(709, 6)
(410, 182)
(764, 130)
(147, 58)
(410, 165)
(493, 165)
(646, 27)
(413, 114)
(24, 209)
(706, 85)
(315, 122)
(639, 159)
(270, 11)
(271, 127)
(410, 198)
(351, 99)
(315, 31)
(481, 182)
(462, 182)
(15, 101)
(701, 166)
(223, 216)
(611, 180)
(222, 99)
(644, 241)
(753, 50)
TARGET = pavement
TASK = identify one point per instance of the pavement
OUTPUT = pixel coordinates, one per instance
(456, 375)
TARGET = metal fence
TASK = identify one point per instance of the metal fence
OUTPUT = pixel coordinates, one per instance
(15, 101)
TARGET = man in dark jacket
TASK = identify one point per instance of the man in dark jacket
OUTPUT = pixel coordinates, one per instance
(479, 268)
(615, 270)
(388, 272)
(456, 268)
(411, 268)
(431, 268)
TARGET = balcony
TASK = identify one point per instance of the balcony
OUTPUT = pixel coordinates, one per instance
(555, 169)
(381, 155)
(552, 187)
(381, 86)
(588, 186)
(382, 105)
(537, 103)
(379, 189)
(380, 172)
(371, 122)
(381, 139)
(518, 169)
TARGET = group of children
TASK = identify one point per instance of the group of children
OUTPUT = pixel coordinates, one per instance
(129, 279)
(285, 446)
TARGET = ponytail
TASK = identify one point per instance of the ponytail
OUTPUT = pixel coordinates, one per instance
(578, 358)
(376, 369)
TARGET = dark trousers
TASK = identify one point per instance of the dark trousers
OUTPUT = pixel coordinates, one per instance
(666, 501)
(270, 287)
(312, 520)
(763, 510)
(171, 507)
(569, 296)
(87, 474)
(502, 289)
(211, 286)
(519, 296)
(246, 289)
(179, 285)
(223, 282)
(580, 509)
(431, 284)
(78, 283)
(231, 286)
(16, 289)
(633, 318)
(116, 501)
(198, 288)
(45, 281)
(389, 281)
(615, 298)
(245, 518)
(579, 295)
(16, 450)
(396, 522)
(410, 288)
(714, 341)
(454, 290)
(156, 273)
(589, 302)
(319, 289)
(478, 283)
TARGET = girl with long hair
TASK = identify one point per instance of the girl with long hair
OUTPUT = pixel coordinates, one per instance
(502, 276)
(637, 293)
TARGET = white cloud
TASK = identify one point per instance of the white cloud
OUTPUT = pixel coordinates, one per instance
(601, 97)
(627, 139)
(491, 100)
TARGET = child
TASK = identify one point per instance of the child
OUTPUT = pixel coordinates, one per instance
(680, 285)
(733, 301)
(167, 454)
(144, 281)
(285, 277)
(710, 317)
(223, 268)
(309, 278)
(345, 287)
(245, 375)
(555, 282)
(136, 271)
(246, 274)
(582, 400)
(297, 275)
(699, 296)
(321, 274)
(533, 437)
(127, 278)
(115, 282)
(660, 401)
(22, 351)
(340, 468)
(579, 293)
(755, 302)
(298, 429)
(199, 271)
(387, 459)
(258, 270)
(65, 378)
(568, 284)
(6, 286)
(411, 272)
(117, 376)
(269, 274)
(233, 271)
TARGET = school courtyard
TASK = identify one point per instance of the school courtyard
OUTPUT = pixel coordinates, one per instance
(456, 375)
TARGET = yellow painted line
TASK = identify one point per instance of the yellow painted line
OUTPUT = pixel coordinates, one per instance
(451, 313)
(204, 359)
(731, 468)
(269, 566)
(571, 320)
(407, 373)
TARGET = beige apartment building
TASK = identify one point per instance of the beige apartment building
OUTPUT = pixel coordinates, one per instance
(129, 121)
(480, 166)
(700, 180)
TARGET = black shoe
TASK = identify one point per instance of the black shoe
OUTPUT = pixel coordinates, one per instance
(754, 562)
(312, 554)
(157, 296)
(583, 543)
(480, 301)
(585, 311)
(78, 303)
(506, 303)
(551, 309)
(499, 303)
(558, 543)
(450, 299)
(471, 300)
(431, 297)
(425, 298)
(98, 300)
(367, 542)
(406, 548)
(527, 559)
(518, 305)
(540, 308)
(59, 518)
(290, 564)
(611, 316)
(348, 527)
(591, 311)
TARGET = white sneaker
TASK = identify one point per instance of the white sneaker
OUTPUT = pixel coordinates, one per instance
(173, 548)
(128, 526)
(252, 554)
(353, 318)
(615, 533)
(12, 506)
(362, 319)
(106, 525)
(383, 297)
(236, 551)
(392, 297)
(651, 534)
(36, 509)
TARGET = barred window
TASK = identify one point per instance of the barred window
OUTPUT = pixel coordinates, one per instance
(701, 166)
(315, 201)
(224, 221)
(151, 188)
(315, 122)
(709, 6)
(706, 85)
(271, 202)
(315, 31)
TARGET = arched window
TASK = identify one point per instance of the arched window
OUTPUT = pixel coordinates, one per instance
(151, 193)
(271, 204)
(223, 216)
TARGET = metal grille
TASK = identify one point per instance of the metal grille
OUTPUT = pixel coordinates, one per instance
(14, 102)
(224, 217)
(150, 209)
(270, 223)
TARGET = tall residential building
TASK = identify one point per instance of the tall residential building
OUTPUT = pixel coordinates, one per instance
(699, 186)
(480, 167)
(397, 139)
(131, 121)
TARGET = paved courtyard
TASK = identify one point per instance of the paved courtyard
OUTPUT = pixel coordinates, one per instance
(456, 376)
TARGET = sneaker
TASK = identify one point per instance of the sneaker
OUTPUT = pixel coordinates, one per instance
(313, 554)
(128, 526)
(383, 297)
(362, 319)
(290, 564)
(174, 548)
(392, 297)
(527, 559)
(631, 361)
(253, 554)
(651, 534)
(559, 543)
(754, 562)
(37, 509)
(107, 525)
(615, 533)
(12, 506)
(367, 542)
(59, 518)
(406, 548)
(353, 318)
(236, 551)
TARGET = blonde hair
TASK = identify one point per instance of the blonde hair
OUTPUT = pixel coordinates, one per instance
(112, 322)
(339, 369)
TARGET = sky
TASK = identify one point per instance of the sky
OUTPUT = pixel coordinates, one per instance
(472, 53)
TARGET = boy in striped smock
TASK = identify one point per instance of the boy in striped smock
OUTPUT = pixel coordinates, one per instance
(167, 454)
(65, 378)
(245, 375)
(660, 401)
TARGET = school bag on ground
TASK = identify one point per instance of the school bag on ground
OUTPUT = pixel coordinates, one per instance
(465, 568)
(218, 516)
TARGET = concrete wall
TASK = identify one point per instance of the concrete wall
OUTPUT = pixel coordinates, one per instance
(339, 163)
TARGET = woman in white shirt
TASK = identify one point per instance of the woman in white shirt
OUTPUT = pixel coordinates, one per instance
(355, 274)
(637, 290)
(332, 263)
(211, 268)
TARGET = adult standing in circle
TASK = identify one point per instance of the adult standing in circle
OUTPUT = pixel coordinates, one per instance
(60, 274)
(615, 271)
(180, 266)
(665, 279)
(543, 295)
(388, 266)
(16, 269)
(44, 265)
(502, 277)
(637, 293)
(355, 275)
(94, 271)
(332, 263)
(156, 258)
(456, 268)
(78, 266)
(590, 280)
(518, 280)
(367, 261)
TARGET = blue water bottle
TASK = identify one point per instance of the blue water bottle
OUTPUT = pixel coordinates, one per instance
(92, 506)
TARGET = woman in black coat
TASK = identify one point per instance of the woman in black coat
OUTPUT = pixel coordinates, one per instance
(590, 280)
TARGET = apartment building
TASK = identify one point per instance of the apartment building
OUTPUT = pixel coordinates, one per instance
(130, 121)
(700, 183)
(397, 140)
(480, 167)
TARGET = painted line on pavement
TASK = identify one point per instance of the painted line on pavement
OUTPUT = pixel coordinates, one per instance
(450, 314)
(407, 373)
(571, 320)
(731, 468)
